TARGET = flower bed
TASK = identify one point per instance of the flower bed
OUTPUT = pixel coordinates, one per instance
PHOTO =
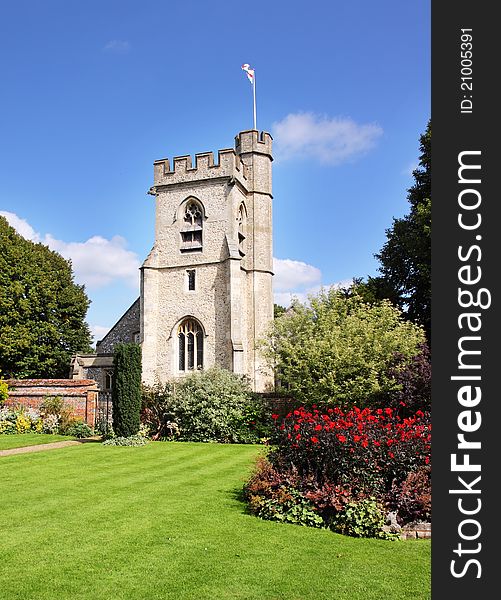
(53, 418)
(359, 464)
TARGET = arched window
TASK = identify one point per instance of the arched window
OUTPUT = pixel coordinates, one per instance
(191, 228)
(191, 345)
(242, 218)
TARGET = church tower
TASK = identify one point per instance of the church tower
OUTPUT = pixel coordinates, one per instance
(206, 286)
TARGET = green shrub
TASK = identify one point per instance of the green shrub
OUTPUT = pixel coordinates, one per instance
(58, 416)
(126, 393)
(79, 430)
(210, 406)
(287, 506)
(273, 496)
(207, 406)
(364, 518)
(157, 412)
(52, 405)
(4, 391)
(255, 424)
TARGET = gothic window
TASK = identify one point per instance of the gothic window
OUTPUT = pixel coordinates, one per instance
(108, 380)
(241, 229)
(190, 273)
(191, 345)
(191, 228)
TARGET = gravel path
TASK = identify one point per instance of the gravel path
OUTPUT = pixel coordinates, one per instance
(41, 447)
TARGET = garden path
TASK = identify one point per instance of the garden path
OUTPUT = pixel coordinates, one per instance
(51, 446)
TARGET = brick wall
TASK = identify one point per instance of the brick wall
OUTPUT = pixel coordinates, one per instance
(81, 394)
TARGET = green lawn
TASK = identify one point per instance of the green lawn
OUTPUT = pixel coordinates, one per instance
(30, 439)
(165, 521)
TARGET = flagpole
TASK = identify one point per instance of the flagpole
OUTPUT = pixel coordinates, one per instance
(251, 76)
(254, 98)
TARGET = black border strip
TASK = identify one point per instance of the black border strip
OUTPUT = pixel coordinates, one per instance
(465, 120)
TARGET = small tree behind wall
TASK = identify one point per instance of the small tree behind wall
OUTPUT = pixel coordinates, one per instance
(126, 392)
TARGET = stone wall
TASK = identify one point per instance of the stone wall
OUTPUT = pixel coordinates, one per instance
(416, 531)
(124, 331)
(81, 394)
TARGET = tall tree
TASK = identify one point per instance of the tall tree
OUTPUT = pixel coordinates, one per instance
(42, 310)
(406, 256)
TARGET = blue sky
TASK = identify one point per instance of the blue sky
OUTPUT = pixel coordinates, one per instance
(93, 92)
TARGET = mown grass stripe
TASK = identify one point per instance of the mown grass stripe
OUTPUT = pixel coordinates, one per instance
(164, 521)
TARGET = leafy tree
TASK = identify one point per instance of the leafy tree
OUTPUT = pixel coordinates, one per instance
(126, 391)
(406, 256)
(278, 310)
(338, 349)
(374, 290)
(42, 310)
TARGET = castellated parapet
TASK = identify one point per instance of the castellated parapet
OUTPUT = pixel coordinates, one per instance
(206, 285)
(228, 165)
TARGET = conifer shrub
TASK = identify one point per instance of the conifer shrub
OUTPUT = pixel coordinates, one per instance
(126, 392)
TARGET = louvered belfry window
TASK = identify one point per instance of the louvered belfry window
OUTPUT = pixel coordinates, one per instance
(191, 229)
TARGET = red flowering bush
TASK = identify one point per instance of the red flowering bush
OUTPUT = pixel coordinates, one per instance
(368, 449)
(340, 468)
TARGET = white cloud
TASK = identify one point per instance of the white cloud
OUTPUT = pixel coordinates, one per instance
(298, 280)
(99, 261)
(330, 140)
(96, 262)
(293, 274)
(98, 332)
(117, 46)
(21, 226)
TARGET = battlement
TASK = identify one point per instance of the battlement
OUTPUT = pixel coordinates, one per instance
(229, 163)
(253, 141)
(183, 170)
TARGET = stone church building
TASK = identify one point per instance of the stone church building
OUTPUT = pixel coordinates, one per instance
(206, 286)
